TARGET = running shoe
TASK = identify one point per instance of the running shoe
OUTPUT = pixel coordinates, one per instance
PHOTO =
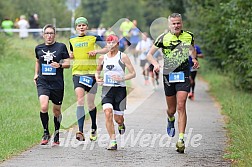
(171, 128)
(180, 146)
(56, 140)
(80, 136)
(112, 146)
(45, 139)
(121, 129)
(93, 135)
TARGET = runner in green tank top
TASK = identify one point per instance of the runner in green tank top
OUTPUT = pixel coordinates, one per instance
(177, 45)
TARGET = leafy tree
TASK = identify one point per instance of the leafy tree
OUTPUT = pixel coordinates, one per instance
(154, 10)
(176, 6)
(208, 23)
(8, 9)
(240, 22)
(93, 11)
(223, 28)
(123, 9)
(47, 11)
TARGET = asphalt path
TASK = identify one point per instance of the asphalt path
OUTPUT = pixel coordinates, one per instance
(145, 142)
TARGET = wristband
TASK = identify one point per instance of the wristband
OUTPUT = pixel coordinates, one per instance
(60, 66)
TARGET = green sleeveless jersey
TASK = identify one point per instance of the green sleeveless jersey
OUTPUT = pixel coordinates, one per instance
(175, 50)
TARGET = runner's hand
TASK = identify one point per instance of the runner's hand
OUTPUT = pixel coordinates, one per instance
(117, 78)
(156, 68)
(55, 64)
(35, 79)
(195, 64)
(99, 81)
(92, 53)
(71, 55)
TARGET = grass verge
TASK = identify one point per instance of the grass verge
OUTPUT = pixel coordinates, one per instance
(236, 104)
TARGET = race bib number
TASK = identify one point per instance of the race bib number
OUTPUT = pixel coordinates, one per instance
(47, 69)
(85, 80)
(176, 77)
(110, 81)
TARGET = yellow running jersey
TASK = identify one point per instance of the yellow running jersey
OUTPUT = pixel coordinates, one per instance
(80, 46)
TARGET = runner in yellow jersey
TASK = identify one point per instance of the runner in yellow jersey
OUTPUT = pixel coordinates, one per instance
(83, 53)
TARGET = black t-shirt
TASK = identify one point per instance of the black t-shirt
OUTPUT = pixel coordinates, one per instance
(46, 54)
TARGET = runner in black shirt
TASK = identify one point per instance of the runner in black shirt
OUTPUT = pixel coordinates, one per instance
(51, 58)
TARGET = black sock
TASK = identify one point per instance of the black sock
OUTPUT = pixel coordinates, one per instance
(44, 119)
(57, 121)
(92, 114)
(193, 86)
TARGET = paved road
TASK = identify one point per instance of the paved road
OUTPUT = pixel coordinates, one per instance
(145, 142)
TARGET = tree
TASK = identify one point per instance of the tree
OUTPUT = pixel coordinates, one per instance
(176, 6)
(226, 35)
(123, 9)
(47, 10)
(93, 11)
(8, 9)
(154, 10)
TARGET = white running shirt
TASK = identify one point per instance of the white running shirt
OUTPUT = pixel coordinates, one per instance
(113, 66)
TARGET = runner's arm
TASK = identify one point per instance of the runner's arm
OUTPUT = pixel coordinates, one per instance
(98, 51)
(71, 55)
(100, 42)
(193, 53)
(200, 55)
(66, 63)
(131, 71)
(151, 59)
(36, 71)
(99, 69)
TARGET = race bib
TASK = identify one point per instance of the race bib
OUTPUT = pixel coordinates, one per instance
(87, 81)
(110, 81)
(47, 69)
(176, 77)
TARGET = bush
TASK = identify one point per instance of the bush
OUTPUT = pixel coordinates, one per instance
(224, 34)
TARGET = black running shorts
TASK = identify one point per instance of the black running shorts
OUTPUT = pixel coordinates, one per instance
(93, 89)
(172, 88)
(55, 95)
(115, 96)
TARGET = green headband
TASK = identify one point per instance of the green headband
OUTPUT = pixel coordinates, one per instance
(81, 20)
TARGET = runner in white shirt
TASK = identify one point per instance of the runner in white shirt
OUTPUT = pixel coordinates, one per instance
(143, 48)
(114, 88)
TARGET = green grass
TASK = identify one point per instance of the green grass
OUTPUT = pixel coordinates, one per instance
(237, 106)
(19, 111)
